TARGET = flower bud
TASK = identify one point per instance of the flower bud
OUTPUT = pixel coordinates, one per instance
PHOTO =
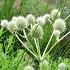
(60, 25)
(28, 68)
(21, 23)
(37, 31)
(55, 14)
(4, 23)
(62, 66)
(56, 33)
(14, 19)
(31, 19)
(12, 26)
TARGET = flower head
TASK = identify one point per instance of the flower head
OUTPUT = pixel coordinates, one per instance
(21, 23)
(37, 31)
(56, 33)
(28, 68)
(12, 26)
(60, 25)
(40, 21)
(62, 66)
(45, 62)
(31, 19)
(4, 23)
(46, 17)
(55, 14)
(14, 18)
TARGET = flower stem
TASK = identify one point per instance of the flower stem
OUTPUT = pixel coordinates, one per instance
(66, 18)
(26, 47)
(47, 45)
(29, 42)
(57, 42)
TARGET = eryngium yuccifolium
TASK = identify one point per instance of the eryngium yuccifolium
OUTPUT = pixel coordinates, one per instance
(60, 25)
(12, 26)
(46, 17)
(28, 68)
(45, 62)
(21, 23)
(62, 66)
(37, 31)
(14, 18)
(31, 19)
(40, 21)
(56, 33)
(55, 14)
(4, 23)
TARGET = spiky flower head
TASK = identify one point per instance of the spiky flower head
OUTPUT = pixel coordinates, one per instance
(14, 18)
(21, 23)
(12, 26)
(40, 21)
(55, 14)
(60, 25)
(62, 66)
(31, 19)
(56, 33)
(45, 62)
(28, 68)
(37, 31)
(46, 17)
(4, 23)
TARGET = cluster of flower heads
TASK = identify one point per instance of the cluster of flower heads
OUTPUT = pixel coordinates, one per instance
(21, 22)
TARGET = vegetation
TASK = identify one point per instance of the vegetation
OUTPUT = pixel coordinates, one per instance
(14, 56)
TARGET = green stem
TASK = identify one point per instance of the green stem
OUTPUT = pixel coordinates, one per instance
(37, 47)
(57, 42)
(47, 46)
(66, 18)
(29, 42)
(40, 66)
(26, 47)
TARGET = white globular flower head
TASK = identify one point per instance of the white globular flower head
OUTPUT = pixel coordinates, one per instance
(46, 17)
(31, 19)
(45, 62)
(62, 66)
(4, 23)
(28, 68)
(56, 33)
(12, 26)
(21, 23)
(14, 18)
(40, 21)
(55, 14)
(37, 31)
(60, 25)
